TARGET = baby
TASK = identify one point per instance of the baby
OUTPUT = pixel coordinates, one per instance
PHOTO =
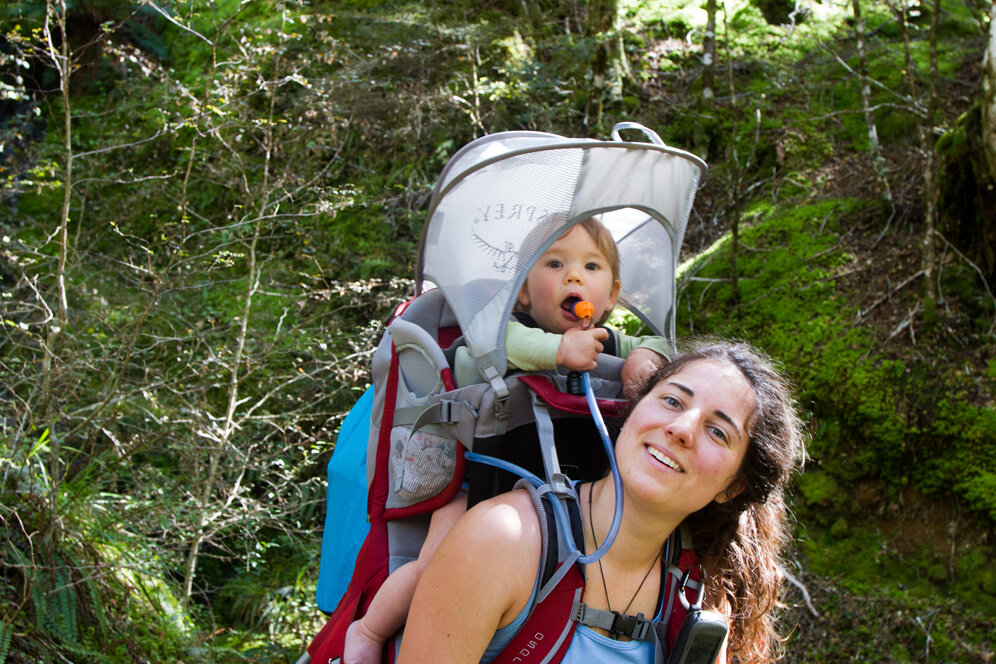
(582, 265)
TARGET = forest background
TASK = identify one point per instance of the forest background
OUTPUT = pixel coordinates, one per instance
(210, 209)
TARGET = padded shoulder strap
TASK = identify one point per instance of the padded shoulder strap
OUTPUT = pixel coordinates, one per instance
(550, 554)
(682, 559)
(546, 634)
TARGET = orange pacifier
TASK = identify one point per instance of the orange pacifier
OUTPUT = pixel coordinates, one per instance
(584, 310)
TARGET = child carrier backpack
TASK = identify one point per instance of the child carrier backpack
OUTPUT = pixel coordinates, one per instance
(499, 204)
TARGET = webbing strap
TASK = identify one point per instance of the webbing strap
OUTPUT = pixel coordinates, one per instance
(548, 537)
(679, 574)
(558, 485)
(497, 382)
(447, 411)
(548, 448)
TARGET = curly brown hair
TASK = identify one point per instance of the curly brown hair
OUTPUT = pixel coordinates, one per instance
(740, 541)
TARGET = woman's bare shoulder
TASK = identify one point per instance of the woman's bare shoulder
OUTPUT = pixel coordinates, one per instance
(478, 581)
(507, 522)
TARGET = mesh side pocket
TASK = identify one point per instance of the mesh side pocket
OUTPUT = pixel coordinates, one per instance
(423, 463)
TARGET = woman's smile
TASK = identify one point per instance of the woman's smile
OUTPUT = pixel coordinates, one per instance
(664, 459)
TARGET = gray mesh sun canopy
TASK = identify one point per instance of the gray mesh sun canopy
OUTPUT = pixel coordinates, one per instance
(503, 199)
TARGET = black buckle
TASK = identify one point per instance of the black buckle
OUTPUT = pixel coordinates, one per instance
(634, 627)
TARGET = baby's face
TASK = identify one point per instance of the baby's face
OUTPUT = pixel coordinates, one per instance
(572, 269)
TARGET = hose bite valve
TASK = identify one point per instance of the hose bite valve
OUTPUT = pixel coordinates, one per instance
(584, 310)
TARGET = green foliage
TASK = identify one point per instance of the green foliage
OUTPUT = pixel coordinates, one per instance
(269, 601)
(5, 637)
(856, 622)
(819, 490)
(250, 181)
(170, 422)
(82, 585)
(362, 229)
(979, 490)
(923, 565)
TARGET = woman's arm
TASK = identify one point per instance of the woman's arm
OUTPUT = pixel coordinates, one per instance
(479, 580)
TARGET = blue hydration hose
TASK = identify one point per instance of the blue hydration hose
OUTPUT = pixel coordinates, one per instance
(596, 415)
(561, 516)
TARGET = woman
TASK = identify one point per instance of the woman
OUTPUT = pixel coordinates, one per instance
(711, 443)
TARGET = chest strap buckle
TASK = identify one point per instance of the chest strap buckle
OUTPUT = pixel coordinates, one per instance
(616, 624)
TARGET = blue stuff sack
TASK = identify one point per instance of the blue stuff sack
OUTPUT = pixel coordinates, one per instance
(346, 524)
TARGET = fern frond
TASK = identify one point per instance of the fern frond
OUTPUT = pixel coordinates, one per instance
(6, 632)
(63, 601)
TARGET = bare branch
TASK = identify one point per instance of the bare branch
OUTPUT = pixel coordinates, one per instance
(913, 104)
(862, 313)
(166, 15)
(805, 592)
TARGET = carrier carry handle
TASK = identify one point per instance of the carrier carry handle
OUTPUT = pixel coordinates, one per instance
(649, 133)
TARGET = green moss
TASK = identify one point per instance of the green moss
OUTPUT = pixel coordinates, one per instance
(818, 489)
(899, 654)
(868, 411)
(982, 575)
(362, 230)
(979, 490)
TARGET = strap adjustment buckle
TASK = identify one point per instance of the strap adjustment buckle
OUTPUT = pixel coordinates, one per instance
(635, 627)
(616, 624)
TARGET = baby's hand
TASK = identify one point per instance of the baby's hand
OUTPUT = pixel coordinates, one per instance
(579, 349)
(640, 364)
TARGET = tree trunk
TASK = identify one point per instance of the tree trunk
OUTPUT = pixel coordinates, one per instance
(600, 26)
(988, 100)
(899, 10)
(930, 170)
(736, 172)
(874, 146)
(61, 58)
(729, 57)
(709, 54)
(210, 512)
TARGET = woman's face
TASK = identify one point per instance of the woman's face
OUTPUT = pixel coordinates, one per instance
(684, 442)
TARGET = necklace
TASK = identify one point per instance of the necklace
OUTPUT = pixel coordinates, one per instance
(605, 588)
